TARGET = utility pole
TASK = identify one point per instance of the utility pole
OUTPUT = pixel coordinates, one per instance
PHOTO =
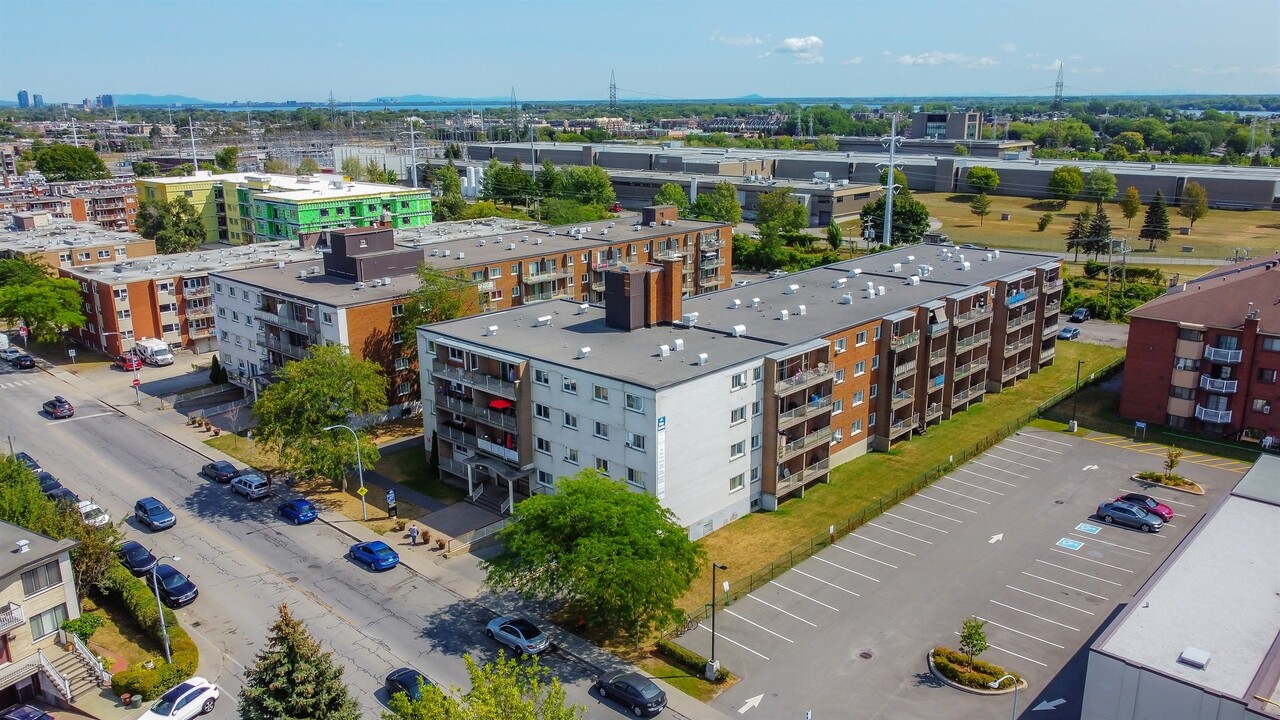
(892, 142)
(191, 126)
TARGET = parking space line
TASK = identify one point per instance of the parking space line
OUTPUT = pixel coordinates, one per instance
(1038, 617)
(1055, 602)
(867, 557)
(944, 502)
(1091, 538)
(913, 522)
(953, 492)
(1019, 452)
(913, 537)
(877, 542)
(1010, 652)
(986, 477)
(824, 582)
(1055, 582)
(750, 622)
(1046, 438)
(1166, 501)
(735, 642)
(1055, 452)
(80, 417)
(930, 512)
(806, 597)
(1077, 572)
(1033, 637)
(976, 487)
(1096, 562)
(1001, 469)
(848, 570)
(1011, 462)
(784, 612)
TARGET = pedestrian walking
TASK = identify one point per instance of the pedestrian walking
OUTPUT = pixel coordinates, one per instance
(413, 534)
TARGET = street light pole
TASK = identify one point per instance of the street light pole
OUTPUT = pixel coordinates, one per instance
(995, 684)
(713, 667)
(1075, 398)
(364, 509)
(155, 584)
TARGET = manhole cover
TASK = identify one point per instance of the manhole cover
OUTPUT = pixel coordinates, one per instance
(866, 654)
(292, 579)
(1057, 502)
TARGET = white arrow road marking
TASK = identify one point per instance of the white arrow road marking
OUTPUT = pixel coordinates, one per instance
(750, 703)
(1089, 467)
(996, 538)
(1046, 705)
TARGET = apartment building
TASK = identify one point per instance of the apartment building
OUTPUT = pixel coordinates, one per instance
(243, 208)
(731, 401)
(947, 125)
(61, 244)
(161, 296)
(1205, 356)
(110, 204)
(353, 292)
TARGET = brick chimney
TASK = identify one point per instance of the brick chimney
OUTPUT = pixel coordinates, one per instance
(644, 295)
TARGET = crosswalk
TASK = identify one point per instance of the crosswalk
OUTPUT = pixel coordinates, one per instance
(16, 384)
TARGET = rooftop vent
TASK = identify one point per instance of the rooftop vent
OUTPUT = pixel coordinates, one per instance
(1194, 657)
(21, 546)
(897, 267)
(911, 258)
(755, 302)
(839, 283)
(315, 270)
(791, 290)
(461, 255)
(582, 309)
(739, 330)
(855, 272)
(386, 281)
(491, 330)
(996, 253)
(446, 253)
(735, 304)
(701, 359)
(689, 319)
(481, 242)
(511, 246)
(302, 274)
(280, 266)
(435, 252)
(536, 241)
(679, 344)
(376, 282)
(802, 310)
(664, 350)
(583, 352)
(542, 321)
(879, 289)
(360, 286)
(784, 314)
(964, 266)
(846, 299)
(913, 280)
(986, 258)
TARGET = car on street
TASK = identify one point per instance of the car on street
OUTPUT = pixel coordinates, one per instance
(32, 464)
(298, 511)
(136, 558)
(971, 246)
(24, 362)
(638, 693)
(10, 354)
(518, 634)
(1068, 333)
(251, 485)
(48, 483)
(1080, 315)
(777, 273)
(60, 495)
(128, 361)
(376, 555)
(408, 681)
(153, 513)
(1129, 515)
(175, 588)
(220, 471)
(92, 515)
(24, 712)
(191, 698)
(1148, 503)
(616, 207)
(58, 407)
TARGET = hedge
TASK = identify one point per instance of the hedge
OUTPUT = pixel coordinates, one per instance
(981, 674)
(688, 659)
(139, 600)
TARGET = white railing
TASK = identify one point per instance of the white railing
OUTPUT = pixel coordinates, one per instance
(1212, 416)
(104, 677)
(475, 378)
(974, 339)
(905, 341)
(219, 409)
(58, 679)
(810, 440)
(975, 314)
(493, 448)
(11, 617)
(1211, 384)
(482, 414)
(810, 407)
(903, 369)
(478, 492)
(1221, 355)
(801, 379)
(505, 507)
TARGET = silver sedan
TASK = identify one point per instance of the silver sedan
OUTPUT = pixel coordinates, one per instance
(518, 634)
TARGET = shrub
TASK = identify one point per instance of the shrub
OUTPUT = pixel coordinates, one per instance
(1043, 222)
(84, 626)
(140, 602)
(688, 659)
(979, 674)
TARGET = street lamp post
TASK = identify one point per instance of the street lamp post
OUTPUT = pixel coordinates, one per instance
(364, 510)
(713, 667)
(155, 584)
(995, 684)
(1075, 398)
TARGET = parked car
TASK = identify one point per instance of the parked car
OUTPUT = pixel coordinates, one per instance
(93, 515)
(10, 354)
(48, 483)
(153, 513)
(24, 362)
(128, 361)
(1128, 514)
(220, 471)
(637, 692)
(377, 555)
(251, 485)
(135, 557)
(1148, 503)
(298, 511)
(58, 408)
(192, 698)
(518, 634)
(60, 495)
(1080, 315)
(408, 681)
(24, 712)
(1068, 333)
(616, 207)
(175, 588)
(29, 461)
(777, 273)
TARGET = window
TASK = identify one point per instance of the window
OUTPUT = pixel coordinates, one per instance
(860, 368)
(41, 578)
(542, 412)
(404, 388)
(165, 287)
(571, 421)
(397, 310)
(121, 293)
(1181, 363)
(858, 397)
(738, 382)
(755, 441)
(1192, 335)
(874, 391)
(217, 287)
(495, 273)
(397, 338)
(840, 345)
(635, 477)
(542, 377)
(876, 335)
(738, 449)
(1260, 405)
(235, 316)
(602, 430)
(82, 256)
(326, 318)
(635, 442)
(860, 339)
(569, 385)
(602, 465)
(545, 478)
(634, 403)
(755, 475)
(542, 445)
(757, 408)
(840, 376)
(600, 393)
(737, 482)
(495, 294)
(1228, 342)
(875, 362)
(402, 363)
(1266, 375)
(122, 314)
(737, 415)
(477, 275)
(837, 407)
(1271, 344)
(104, 254)
(855, 428)
(871, 420)
(170, 327)
(48, 622)
(757, 374)
(168, 307)
(571, 456)
(1182, 393)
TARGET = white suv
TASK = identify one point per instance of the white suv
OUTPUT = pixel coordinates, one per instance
(253, 487)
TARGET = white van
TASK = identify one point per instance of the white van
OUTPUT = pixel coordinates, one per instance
(153, 351)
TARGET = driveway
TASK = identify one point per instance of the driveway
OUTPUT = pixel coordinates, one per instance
(1100, 332)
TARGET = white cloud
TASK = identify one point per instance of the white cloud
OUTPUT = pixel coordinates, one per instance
(735, 40)
(1035, 55)
(886, 53)
(804, 50)
(1075, 57)
(1233, 70)
(1269, 70)
(853, 61)
(941, 58)
(1047, 66)
(1009, 47)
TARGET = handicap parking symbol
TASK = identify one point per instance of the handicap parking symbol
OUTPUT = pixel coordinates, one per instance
(1070, 544)
(1086, 527)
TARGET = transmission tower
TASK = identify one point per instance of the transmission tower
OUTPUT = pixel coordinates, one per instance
(515, 109)
(613, 94)
(1057, 89)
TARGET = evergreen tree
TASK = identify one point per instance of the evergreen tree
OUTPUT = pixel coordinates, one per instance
(215, 370)
(293, 679)
(1078, 233)
(835, 238)
(980, 205)
(1155, 224)
(1099, 234)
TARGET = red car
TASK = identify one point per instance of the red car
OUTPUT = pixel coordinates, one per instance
(616, 207)
(128, 361)
(1150, 504)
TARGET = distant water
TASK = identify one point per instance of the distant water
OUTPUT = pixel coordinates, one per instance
(442, 107)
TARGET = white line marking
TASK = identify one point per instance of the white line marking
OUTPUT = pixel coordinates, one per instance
(824, 582)
(1055, 452)
(896, 532)
(1010, 652)
(1019, 452)
(1055, 582)
(953, 492)
(986, 477)
(1055, 602)
(913, 522)
(1096, 562)
(806, 597)
(877, 542)
(1038, 617)
(930, 512)
(784, 612)
(1095, 577)
(975, 487)
(853, 572)
(1016, 452)
(1045, 438)
(1092, 538)
(944, 502)
(1166, 501)
(79, 417)
(749, 622)
(1006, 627)
(735, 642)
(867, 557)
(993, 467)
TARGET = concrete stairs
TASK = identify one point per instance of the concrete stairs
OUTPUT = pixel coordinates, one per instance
(83, 678)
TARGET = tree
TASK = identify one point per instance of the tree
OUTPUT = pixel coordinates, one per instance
(719, 205)
(614, 557)
(47, 306)
(276, 166)
(1130, 204)
(1078, 233)
(308, 166)
(440, 296)
(329, 387)
(1172, 458)
(173, 224)
(154, 135)
(1065, 183)
(899, 179)
(506, 688)
(910, 218)
(352, 167)
(450, 205)
(835, 238)
(826, 143)
(1042, 223)
(1099, 186)
(1195, 202)
(1099, 239)
(67, 162)
(24, 270)
(144, 169)
(1115, 153)
(960, 150)
(215, 370)
(225, 159)
(550, 181)
(673, 194)
(980, 205)
(294, 678)
(1131, 141)
(780, 208)
(973, 638)
(1155, 224)
(982, 179)
(589, 185)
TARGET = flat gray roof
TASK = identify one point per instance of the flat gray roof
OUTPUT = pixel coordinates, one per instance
(318, 288)
(633, 356)
(199, 262)
(62, 235)
(39, 549)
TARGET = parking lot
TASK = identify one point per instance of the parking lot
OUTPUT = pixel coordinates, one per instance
(1009, 537)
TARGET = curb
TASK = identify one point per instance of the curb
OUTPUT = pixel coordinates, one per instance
(928, 656)
(1176, 488)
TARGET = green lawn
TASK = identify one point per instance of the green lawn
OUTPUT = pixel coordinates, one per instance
(409, 467)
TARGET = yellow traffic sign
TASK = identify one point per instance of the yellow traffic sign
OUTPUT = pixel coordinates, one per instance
(362, 491)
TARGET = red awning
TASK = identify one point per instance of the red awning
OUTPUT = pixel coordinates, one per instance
(500, 404)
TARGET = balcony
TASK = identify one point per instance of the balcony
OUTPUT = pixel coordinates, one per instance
(813, 407)
(199, 311)
(488, 383)
(11, 616)
(1051, 307)
(1221, 417)
(902, 342)
(813, 439)
(486, 286)
(902, 398)
(1021, 321)
(904, 369)
(976, 339)
(1017, 346)
(903, 426)
(1217, 385)
(1046, 354)
(967, 394)
(476, 412)
(541, 276)
(972, 316)
(708, 264)
(598, 286)
(448, 432)
(932, 412)
(789, 482)
(938, 328)
(1220, 355)
(802, 380)
(498, 451)
(203, 332)
(969, 368)
(282, 346)
(936, 355)
(603, 265)
(709, 281)
(1022, 296)
(710, 243)
(288, 322)
(1013, 372)
(1049, 331)
(1052, 286)
(198, 291)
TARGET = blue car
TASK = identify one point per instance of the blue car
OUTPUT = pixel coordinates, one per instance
(377, 555)
(152, 513)
(297, 511)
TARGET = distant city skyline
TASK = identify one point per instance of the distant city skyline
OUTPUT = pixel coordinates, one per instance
(259, 50)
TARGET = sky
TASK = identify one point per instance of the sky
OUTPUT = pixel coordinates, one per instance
(262, 50)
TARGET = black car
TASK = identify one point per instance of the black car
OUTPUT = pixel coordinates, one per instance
(220, 471)
(29, 461)
(24, 362)
(1080, 315)
(135, 557)
(633, 690)
(176, 589)
(48, 483)
(24, 712)
(61, 494)
(408, 681)
(59, 408)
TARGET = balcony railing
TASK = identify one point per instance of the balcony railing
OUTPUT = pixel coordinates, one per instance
(306, 327)
(813, 407)
(1046, 354)
(936, 355)
(1213, 416)
(903, 342)
(932, 411)
(483, 414)
(971, 316)
(1219, 355)
(813, 439)
(813, 472)
(1016, 370)
(283, 346)
(902, 398)
(11, 616)
(712, 263)
(1051, 307)
(1217, 385)
(598, 286)
(710, 243)
(710, 281)
(904, 426)
(198, 291)
(541, 276)
(904, 369)
(200, 311)
(1052, 286)
(1016, 346)
(939, 328)
(969, 368)
(802, 380)
(449, 432)
(1049, 330)
(602, 265)
(1021, 321)
(453, 466)
(967, 394)
(480, 380)
(975, 339)
(487, 286)
(1022, 296)
(493, 448)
